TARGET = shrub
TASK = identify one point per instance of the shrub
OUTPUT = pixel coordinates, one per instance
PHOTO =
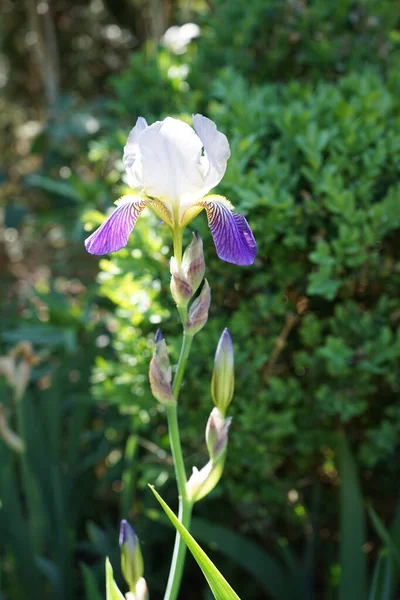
(315, 321)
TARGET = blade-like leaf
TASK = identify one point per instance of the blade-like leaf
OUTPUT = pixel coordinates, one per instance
(384, 534)
(112, 590)
(91, 589)
(382, 581)
(352, 528)
(218, 584)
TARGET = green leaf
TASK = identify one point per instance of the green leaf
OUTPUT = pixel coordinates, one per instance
(384, 534)
(218, 584)
(112, 590)
(52, 186)
(382, 580)
(91, 589)
(352, 527)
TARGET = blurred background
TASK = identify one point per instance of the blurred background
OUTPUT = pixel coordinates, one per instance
(308, 94)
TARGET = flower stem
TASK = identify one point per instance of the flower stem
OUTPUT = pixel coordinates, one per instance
(177, 236)
(179, 554)
(185, 505)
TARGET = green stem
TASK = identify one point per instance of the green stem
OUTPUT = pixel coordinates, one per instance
(177, 235)
(180, 369)
(185, 505)
(179, 555)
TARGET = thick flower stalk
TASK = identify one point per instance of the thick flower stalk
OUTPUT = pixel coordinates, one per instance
(171, 169)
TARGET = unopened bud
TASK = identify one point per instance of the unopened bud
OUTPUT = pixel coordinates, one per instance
(217, 434)
(198, 312)
(193, 262)
(160, 373)
(181, 289)
(131, 556)
(204, 481)
(187, 276)
(223, 379)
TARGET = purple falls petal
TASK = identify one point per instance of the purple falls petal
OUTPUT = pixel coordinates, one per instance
(114, 233)
(233, 238)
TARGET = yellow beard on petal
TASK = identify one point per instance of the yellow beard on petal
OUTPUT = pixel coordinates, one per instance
(157, 206)
(192, 211)
(162, 211)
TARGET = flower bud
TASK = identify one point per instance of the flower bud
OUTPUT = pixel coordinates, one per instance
(223, 378)
(131, 556)
(204, 481)
(181, 289)
(193, 262)
(217, 434)
(187, 276)
(160, 373)
(198, 312)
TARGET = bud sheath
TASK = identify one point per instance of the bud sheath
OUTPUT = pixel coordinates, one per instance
(198, 312)
(160, 373)
(187, 276)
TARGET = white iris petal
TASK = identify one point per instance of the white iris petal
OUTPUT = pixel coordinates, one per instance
(170, 161)
(216, 151)
(170, 155)
(131, 155)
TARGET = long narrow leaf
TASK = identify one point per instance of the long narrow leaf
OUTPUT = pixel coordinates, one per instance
(384, 534)
(352, 528)
(218, 584)
(382, 580)
(91, 589)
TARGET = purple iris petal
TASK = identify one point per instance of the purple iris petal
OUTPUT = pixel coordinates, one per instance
(114, 233)
(233, 238)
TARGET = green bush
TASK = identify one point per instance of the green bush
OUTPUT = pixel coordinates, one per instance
(282, 39)
(315, 321)
(308, 95)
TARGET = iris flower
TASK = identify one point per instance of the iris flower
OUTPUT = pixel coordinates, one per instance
(171, 169)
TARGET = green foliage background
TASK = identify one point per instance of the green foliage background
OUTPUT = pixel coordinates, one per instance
(308, 96)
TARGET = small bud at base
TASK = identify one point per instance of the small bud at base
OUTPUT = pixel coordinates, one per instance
(127, 536)
(131, 556)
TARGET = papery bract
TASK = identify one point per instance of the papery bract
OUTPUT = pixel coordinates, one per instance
(217, 434)
(172, 168)
(160, 372)
(198, 312)
(187, 275)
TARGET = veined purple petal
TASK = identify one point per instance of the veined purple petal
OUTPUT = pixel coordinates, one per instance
(233, 238)
(114, 233)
